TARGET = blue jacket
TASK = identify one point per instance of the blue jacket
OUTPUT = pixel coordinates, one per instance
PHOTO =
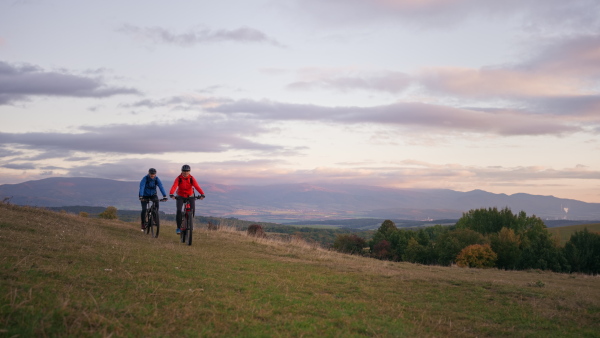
(148, 186)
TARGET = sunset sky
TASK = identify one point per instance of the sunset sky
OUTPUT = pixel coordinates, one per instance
(502, 96)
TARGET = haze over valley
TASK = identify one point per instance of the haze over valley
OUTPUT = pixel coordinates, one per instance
(285, 203)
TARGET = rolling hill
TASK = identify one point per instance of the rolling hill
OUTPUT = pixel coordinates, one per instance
(63, 275)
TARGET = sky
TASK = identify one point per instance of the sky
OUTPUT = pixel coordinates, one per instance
(502, 96)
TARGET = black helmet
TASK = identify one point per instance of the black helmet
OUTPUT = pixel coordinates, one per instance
(151, 171)
(186, 168)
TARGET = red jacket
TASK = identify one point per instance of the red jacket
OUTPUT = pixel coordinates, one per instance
(184, 189)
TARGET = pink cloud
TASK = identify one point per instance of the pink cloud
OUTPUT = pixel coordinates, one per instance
(565, 67)
(426, 117)
(562, 79)
(572, 57)
(497, 83)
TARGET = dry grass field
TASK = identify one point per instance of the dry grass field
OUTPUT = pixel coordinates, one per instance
(64, 275)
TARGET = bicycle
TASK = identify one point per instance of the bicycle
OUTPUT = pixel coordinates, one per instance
(187, 221)
(153, 225)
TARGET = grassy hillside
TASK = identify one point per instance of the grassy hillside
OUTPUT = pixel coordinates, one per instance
(62, 275)
(564, 233)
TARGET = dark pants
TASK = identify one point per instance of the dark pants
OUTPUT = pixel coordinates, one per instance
(180, 206)
(145, 206)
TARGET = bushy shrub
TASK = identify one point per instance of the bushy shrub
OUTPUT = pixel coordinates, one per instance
(351, 244)
(256, 230)
(382, 250)
(83, 214)
(109, 213)
(477, 256)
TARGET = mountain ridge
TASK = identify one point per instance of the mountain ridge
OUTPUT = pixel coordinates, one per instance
(296, 202)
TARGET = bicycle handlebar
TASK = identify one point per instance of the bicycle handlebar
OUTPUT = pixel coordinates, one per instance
(164, 199)
(189, 197)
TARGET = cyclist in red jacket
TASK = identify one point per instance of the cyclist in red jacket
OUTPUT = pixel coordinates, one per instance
(185, 184)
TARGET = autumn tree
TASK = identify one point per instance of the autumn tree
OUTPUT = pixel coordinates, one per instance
(477, 256)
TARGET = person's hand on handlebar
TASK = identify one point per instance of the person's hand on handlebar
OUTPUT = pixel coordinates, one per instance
(201, 197)
(172, 196)
(164, 199)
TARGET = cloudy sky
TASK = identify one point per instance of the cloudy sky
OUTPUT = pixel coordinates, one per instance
(502, 96)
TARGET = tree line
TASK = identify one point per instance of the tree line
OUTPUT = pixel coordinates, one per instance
(481, 238)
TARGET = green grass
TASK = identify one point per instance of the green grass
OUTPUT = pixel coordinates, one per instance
(62, 275)
(564, 233)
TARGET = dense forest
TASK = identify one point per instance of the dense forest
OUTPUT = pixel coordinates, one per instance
(481, 238)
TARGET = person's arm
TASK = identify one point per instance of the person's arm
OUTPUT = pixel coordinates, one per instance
(195, 183)
(142, 186)
(175, 184)
(160, 186)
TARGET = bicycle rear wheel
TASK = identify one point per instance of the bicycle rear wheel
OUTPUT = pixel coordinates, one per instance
(154, 224)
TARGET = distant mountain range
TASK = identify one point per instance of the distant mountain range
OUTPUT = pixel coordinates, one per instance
(285, 203)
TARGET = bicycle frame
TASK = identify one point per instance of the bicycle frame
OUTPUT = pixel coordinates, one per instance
(152, 218)
(187, 221)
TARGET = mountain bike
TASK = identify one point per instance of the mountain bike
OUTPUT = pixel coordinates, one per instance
(153, 225)
(187, 221)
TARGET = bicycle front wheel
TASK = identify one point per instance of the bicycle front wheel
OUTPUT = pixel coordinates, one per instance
(190, 227)
(154, 224)
(148, 224)
(183, 229)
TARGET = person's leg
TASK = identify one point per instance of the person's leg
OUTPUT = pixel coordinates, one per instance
(179, 215)
(143, 215)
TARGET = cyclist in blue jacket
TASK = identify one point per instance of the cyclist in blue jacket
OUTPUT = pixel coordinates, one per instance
(148, 187)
